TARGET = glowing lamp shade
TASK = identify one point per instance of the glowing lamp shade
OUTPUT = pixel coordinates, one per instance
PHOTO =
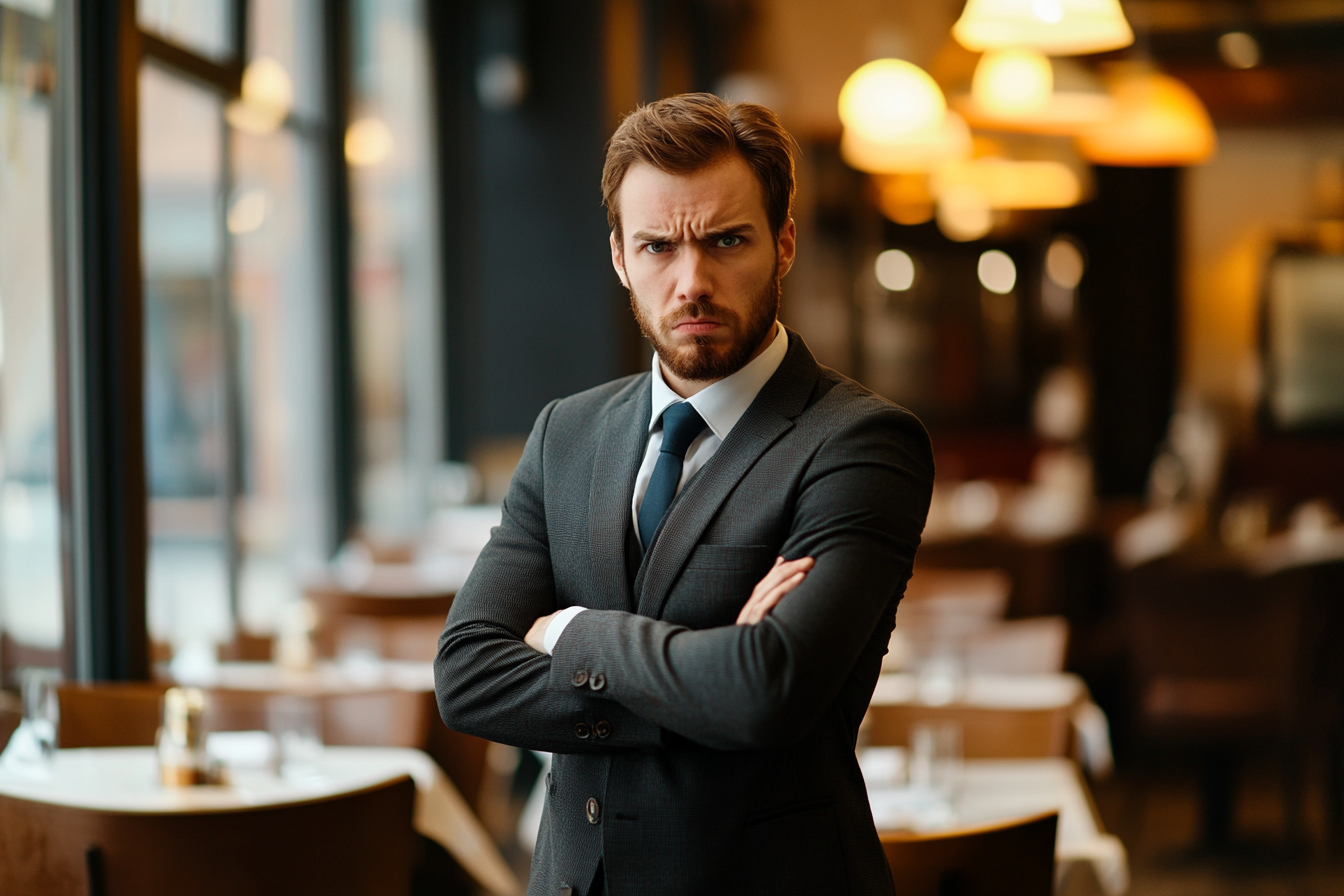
(918, 151)
(1013, 184)
(1077, 101)
(1158, 122)
(1013, 81)
(1056, 27)
(888, 99)
(904, 198)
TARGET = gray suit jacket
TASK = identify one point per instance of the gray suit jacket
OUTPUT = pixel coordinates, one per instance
(693, 755)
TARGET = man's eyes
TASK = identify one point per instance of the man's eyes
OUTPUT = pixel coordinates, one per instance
(730, 241)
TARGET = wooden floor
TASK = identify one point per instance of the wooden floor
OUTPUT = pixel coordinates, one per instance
(1156, 814)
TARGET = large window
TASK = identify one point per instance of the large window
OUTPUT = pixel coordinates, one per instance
(396, 321)
(243, 281)
(31, 625)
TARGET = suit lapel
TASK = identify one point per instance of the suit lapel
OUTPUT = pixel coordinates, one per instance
(620, 448)
(770, 416)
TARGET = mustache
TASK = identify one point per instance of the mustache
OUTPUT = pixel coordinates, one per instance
(695, 310)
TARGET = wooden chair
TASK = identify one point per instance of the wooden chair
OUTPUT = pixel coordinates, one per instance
(127, 714)
(110, 714)
(986, 733)
(357, 844)
(1012, 859)
(393, 613)
(11, 714)
(1226, 663)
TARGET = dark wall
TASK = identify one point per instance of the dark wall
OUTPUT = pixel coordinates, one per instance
(534, 310)
(1129, 299)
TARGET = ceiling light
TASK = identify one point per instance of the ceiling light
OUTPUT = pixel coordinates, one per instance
(904, 198)
(1158, 122)
(895, 270)
(1056, 27)
(1078, 101)
(997, 272)
(888, 99)
(1013, 184)
(963, 213)
(1064, 263)
(917, 151)
(1012, 81)
(1239, 49)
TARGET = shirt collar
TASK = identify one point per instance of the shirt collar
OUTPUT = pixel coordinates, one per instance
(723, 403)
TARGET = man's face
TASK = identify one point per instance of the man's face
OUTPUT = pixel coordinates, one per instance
(702, 267)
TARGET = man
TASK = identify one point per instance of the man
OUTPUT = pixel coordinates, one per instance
(634, 614)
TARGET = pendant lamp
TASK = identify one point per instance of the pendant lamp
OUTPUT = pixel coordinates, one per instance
(1056, 27)
(918, 151)
(1012, 183)
(1158, 122)
(888, 99)
(1077, 102)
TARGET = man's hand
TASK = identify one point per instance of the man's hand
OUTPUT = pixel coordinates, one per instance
(785, 576)
(536, 635)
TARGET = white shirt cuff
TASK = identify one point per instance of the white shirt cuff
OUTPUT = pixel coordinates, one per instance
(558, 625)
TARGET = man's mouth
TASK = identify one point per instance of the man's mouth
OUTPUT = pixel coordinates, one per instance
(697, 326)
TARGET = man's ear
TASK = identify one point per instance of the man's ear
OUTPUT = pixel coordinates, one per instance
(618, 260)
(785, 247)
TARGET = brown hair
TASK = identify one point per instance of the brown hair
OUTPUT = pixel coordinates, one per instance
(685, 133)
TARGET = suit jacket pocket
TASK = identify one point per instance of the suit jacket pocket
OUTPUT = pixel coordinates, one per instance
(716, 582)
(733, 557)
(795, 849)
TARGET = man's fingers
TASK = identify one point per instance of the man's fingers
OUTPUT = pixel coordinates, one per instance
(779, 581)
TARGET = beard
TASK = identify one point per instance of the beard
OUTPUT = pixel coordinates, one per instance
(711, 357)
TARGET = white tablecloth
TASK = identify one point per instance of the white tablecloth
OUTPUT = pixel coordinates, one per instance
(125, 779)
(994, 790)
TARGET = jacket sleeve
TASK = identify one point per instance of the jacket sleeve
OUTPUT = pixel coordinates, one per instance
(860, 509)
(488, 681)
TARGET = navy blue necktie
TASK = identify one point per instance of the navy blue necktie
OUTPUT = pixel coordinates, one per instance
(681, 424)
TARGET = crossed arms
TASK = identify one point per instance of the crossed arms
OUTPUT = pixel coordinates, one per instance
(859, 506)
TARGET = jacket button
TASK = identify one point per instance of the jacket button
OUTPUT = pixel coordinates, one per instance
(583, 730)
(593, 810)
(598, 681)
(580, 679)
(602, 728)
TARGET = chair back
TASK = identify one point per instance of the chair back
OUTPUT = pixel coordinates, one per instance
(357, 844)
(110, 714)
(986, 732)
(1013, 859)
(127, 714)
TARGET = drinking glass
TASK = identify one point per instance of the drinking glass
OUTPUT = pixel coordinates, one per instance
(935, 757)
(42, 708)
(296, 724)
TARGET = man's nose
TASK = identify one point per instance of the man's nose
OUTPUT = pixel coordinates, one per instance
(694, 277)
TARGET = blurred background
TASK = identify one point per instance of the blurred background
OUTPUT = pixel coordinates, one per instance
(284, 283)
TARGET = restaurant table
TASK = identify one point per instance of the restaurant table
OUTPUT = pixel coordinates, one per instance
(998, 790)
(125, 779)
(461, 755)
(1063, 694)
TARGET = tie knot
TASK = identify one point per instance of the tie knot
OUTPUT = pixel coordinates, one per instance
(681, 424)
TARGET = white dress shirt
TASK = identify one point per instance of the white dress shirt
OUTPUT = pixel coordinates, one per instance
(721, 404)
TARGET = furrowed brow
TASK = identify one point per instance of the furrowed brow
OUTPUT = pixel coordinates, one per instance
(743, 229)
(651, 236)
